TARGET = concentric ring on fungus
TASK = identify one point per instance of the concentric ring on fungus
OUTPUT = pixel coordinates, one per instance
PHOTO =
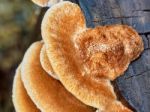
(47, 93)
(21, 100)
(85, 59)
(46, 3)
(45, 63)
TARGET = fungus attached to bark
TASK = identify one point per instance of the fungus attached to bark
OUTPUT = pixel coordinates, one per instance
(86, 59)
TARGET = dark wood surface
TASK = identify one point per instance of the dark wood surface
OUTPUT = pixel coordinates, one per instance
(134, 85)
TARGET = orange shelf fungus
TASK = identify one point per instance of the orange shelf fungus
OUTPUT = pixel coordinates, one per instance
(46, 93)
(90, 57)
(73, 69)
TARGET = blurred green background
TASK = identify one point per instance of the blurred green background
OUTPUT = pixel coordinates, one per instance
(19, 27)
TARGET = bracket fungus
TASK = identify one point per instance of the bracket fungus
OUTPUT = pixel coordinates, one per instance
(47, 93)
(73, 68)
(91, 58)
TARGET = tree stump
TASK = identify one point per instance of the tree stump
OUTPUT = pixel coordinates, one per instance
(134, 85)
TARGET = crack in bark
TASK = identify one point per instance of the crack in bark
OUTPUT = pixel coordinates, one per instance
(145, 33)
(74, 1)
(138, 74)
(148, 40)
(120, 17)
(146, 49)
(144, 10)
(147, 93)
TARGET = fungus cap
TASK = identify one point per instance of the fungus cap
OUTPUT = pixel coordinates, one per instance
(45, 63)
(22, 102)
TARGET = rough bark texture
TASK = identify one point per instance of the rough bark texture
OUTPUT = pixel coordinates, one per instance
(134, 84)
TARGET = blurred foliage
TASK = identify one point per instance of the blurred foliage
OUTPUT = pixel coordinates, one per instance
(17, 21)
